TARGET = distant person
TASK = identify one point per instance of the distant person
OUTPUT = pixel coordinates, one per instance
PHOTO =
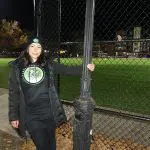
(120, 45)
(33, 100)
(119, 38)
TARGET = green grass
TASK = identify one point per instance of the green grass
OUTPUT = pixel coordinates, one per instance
(117, 83)
(4, 72)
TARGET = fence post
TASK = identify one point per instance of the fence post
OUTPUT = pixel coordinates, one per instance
(84, 106)
(37, 17)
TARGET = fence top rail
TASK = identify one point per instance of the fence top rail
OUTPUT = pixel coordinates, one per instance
(110, 41)
(126, 40)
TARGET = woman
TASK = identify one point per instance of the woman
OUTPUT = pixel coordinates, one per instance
(33, 101)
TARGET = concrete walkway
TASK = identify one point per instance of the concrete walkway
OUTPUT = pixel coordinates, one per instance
(4, 123)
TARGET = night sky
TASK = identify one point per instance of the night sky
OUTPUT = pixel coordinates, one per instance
(109, 17)
(20, 10)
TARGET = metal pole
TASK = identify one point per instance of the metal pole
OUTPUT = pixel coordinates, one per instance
(58, 50)
(34, 7)
(37, 17)
(84, 106)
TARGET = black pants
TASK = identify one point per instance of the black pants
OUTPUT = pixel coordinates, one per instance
(42, 133)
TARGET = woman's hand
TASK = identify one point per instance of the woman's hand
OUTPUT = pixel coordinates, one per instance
(15, 124)
(91, 67)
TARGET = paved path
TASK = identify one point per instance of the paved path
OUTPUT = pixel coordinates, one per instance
(4, 124)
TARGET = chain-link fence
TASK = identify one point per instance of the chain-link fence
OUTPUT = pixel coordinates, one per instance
(114, 130)
(121, 52)
(120, 82)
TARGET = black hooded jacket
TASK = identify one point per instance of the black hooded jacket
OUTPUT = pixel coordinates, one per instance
(17, 106)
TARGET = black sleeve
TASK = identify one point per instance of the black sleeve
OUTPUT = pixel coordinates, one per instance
(67, 70)
(13, 96)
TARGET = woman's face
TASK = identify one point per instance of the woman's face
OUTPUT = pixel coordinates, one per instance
(34, 50)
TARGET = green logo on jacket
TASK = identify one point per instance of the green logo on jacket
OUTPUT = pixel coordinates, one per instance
(33, 75)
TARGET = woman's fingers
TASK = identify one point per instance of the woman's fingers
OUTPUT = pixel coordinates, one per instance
(15, 123)
(91, 67)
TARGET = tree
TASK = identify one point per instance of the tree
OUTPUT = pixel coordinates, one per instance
(11, 35)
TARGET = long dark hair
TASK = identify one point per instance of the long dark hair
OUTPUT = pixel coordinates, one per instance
(26, 59)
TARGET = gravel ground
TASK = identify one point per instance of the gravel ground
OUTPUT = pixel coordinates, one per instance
(64, 142)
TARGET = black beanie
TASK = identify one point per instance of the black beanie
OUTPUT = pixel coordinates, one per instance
(34, 40)
(30, 41)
